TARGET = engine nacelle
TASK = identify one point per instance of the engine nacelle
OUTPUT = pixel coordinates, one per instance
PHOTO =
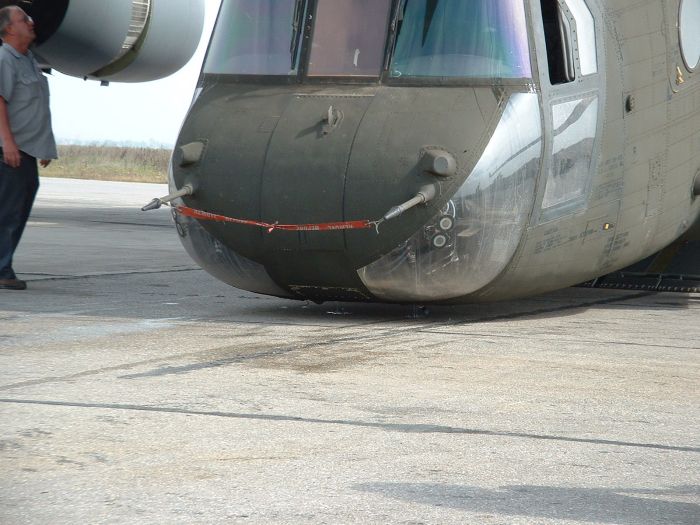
(116, 40)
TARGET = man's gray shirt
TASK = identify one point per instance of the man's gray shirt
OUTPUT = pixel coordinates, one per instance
(26, 92)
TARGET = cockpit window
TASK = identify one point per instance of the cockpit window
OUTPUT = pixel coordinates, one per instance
(349, 38)
(458, 38)
(255, 37)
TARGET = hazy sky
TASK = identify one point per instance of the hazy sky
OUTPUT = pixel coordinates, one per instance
(151, 112)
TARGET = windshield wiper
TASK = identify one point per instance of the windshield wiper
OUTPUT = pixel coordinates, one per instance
(394, 29)
(297, 24)
(430, 8)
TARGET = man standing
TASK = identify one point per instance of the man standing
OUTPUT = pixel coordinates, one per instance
(25, 134)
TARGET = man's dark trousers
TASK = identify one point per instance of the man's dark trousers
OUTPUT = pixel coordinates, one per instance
(18, 187)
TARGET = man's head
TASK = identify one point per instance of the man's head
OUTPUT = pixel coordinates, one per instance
(16, 27)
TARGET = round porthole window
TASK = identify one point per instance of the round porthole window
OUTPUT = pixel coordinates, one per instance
(689, 25)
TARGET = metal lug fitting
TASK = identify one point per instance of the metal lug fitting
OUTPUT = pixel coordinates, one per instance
(189, 154)
(440, 162)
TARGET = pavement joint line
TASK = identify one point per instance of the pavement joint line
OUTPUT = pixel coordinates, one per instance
(173, 370)
(53, 217)
(547, 336)
(114, 274)
(417, 428)
(87, 373)
(165, 226)
(89, 310)
(45, 274)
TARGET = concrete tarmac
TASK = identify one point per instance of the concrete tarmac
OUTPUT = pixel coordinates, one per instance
(135, 388)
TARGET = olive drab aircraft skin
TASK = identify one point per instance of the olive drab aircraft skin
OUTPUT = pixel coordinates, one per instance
(561, 139)
(438, 150)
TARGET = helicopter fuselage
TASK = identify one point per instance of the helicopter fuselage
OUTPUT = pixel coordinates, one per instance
(558, 141)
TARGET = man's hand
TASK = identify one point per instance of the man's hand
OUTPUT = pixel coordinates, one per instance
(11, 155)
(44, 162)
(10, 151)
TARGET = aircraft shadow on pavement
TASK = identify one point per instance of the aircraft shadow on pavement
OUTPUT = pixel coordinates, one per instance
(95, 214)
(624, 506)
(555, 305)
(191, 294)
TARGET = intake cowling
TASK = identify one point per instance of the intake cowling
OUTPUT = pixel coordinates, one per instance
(116, 40)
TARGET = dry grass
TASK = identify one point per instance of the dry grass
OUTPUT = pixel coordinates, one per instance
(110, 163)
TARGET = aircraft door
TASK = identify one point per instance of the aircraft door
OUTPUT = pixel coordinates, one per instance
(572, 103)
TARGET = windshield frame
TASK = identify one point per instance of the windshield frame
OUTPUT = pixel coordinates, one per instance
(303, 47)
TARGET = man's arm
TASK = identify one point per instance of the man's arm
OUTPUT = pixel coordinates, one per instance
(10, 151)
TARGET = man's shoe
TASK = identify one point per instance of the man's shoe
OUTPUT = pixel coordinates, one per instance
(12, 284)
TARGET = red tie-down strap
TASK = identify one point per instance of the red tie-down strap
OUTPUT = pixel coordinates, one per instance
(324, 226)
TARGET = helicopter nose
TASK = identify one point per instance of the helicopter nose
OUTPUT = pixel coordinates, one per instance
(310, 155)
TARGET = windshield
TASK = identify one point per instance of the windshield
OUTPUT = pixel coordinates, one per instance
(349, 38)
(435, 38)
(458, 38)
(254, 37)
